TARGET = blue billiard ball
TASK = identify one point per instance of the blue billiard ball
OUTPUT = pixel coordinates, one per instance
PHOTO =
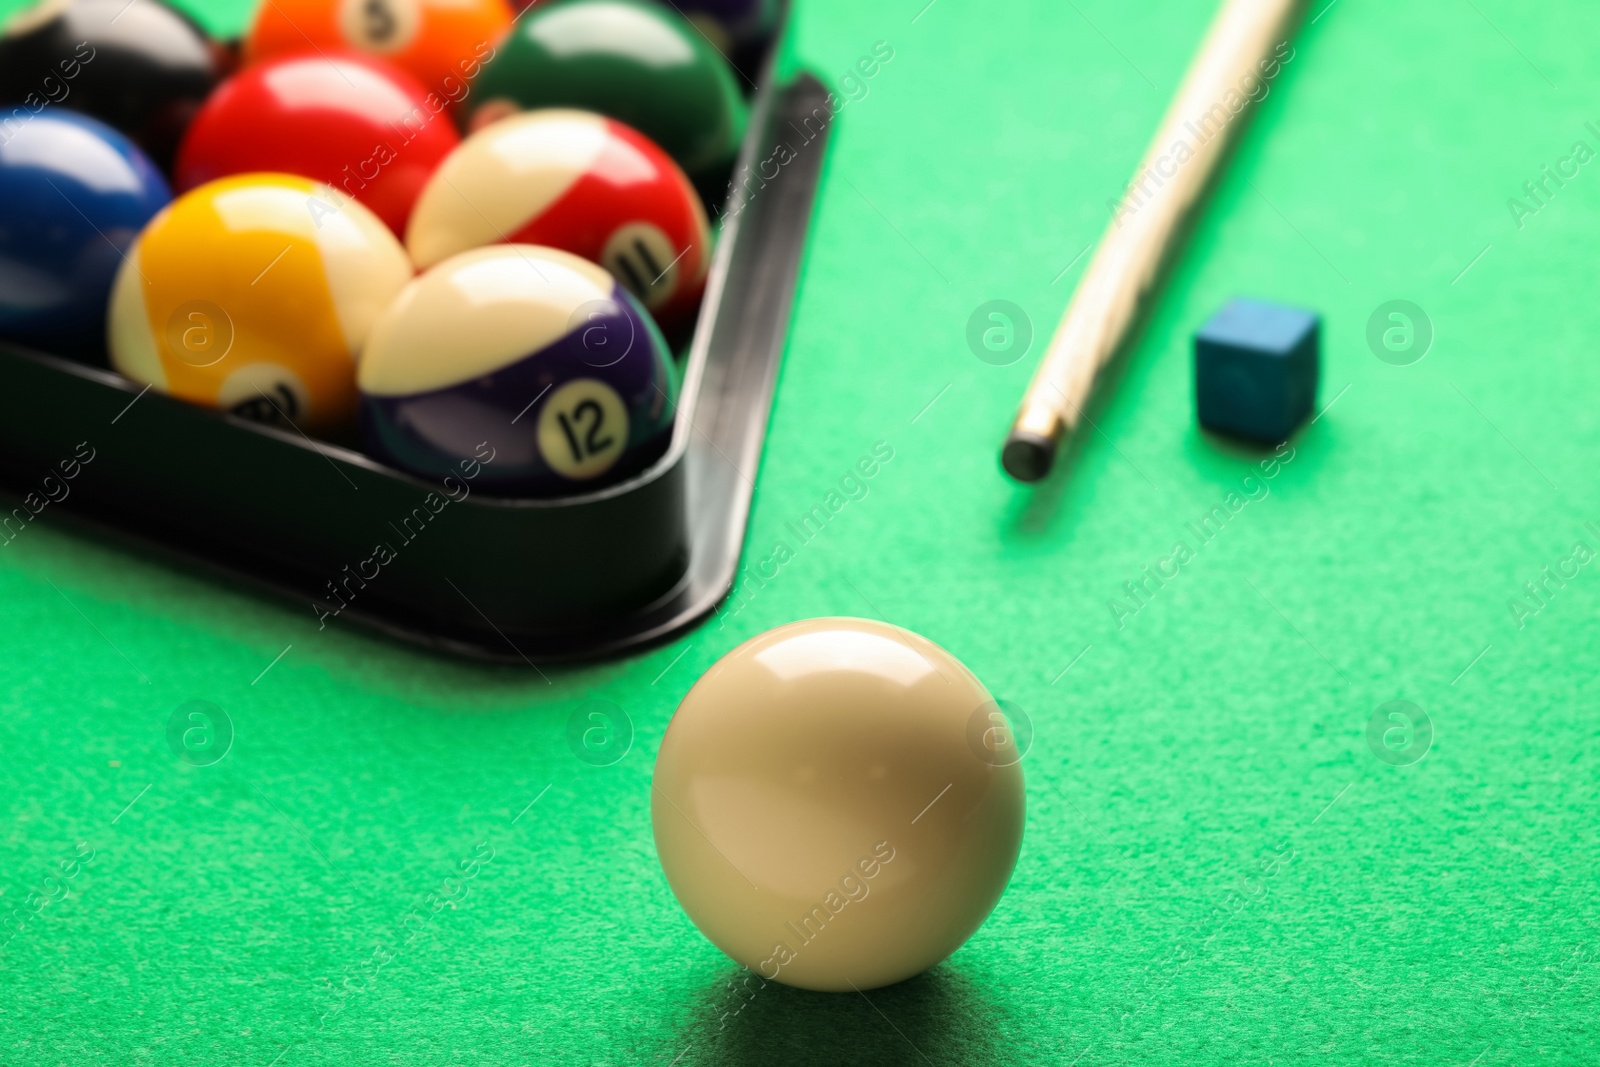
(74, 194)
(523, 367)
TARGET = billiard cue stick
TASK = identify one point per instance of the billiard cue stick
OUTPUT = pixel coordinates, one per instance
(1146, 225)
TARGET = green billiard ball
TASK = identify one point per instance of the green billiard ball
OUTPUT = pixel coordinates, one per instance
(639, 63)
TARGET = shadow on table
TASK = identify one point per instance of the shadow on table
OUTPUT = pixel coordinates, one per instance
(938, 1017)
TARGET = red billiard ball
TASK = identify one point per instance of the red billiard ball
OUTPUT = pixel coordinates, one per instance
(361, 125)
(580, 182)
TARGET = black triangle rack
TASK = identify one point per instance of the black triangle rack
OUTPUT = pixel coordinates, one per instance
(533, 581)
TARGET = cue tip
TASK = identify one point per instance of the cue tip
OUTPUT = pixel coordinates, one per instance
(1028, 456)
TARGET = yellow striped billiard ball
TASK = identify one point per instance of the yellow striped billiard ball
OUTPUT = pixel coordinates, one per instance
(254, 294)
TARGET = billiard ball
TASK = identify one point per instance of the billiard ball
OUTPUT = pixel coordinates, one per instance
(74, 193)
(576, 181)
(357, 123)
(441, 43)
(140, 67)
(634, 61)
(741, 30)
(529, 358)
(254, 294)
(838, 804)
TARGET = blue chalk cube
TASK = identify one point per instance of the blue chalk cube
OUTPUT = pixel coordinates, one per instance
(1255, 369)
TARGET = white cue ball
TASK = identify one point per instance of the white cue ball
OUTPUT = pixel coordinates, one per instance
(838, 804)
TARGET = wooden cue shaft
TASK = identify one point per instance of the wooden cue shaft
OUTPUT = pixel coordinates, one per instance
(1124, 270)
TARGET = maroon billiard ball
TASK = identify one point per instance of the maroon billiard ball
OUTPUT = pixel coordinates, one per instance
(580, 182)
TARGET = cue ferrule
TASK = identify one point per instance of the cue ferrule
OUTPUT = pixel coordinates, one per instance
(1126, 266)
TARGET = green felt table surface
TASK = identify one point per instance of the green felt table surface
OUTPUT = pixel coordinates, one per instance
(1218, 868)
